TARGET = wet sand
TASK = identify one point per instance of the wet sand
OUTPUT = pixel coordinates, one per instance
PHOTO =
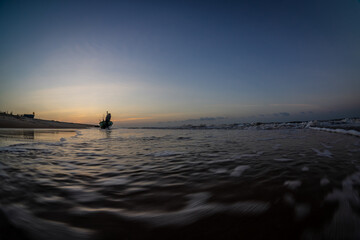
(21, 122)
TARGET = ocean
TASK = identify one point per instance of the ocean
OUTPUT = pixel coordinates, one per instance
(179, 184)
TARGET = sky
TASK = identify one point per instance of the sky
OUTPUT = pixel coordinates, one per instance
(161, 62)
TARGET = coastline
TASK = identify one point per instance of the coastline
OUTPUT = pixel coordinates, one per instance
(15, 122)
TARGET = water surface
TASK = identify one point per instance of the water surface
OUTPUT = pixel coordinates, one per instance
(179, 184)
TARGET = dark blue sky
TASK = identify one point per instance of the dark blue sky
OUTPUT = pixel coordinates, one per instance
(174, 60)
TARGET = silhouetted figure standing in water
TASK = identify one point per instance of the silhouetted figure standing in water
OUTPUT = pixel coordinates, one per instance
(108, 117)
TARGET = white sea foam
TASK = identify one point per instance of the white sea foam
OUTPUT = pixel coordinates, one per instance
(197, 208)
(292, 184)
(37, 228)
(305, 169)
(343, 131)
(345, 220)
(325, 153)
(239, 170)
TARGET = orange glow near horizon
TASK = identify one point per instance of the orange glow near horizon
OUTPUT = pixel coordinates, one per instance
(132, 119)
(92, 117)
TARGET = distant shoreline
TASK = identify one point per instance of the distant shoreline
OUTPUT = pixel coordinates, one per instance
(8, 121)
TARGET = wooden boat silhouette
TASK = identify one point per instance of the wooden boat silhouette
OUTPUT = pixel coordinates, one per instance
(106, 123)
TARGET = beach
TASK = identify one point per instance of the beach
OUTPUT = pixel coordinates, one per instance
(8, 121)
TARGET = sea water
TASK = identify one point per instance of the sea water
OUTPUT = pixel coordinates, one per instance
(179, 184)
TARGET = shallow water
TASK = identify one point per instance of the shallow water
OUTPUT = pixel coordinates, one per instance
(179, 184)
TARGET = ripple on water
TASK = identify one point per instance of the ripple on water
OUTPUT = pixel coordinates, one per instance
(112, 182)
(42, 229)
(239, 170)
(80, 194)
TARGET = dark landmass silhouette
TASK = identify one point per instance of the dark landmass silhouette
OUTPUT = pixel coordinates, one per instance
(19, 121)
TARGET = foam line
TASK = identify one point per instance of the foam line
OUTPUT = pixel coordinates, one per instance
(343, 131)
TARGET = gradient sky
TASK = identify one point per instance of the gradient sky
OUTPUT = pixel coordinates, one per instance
(161, 61)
